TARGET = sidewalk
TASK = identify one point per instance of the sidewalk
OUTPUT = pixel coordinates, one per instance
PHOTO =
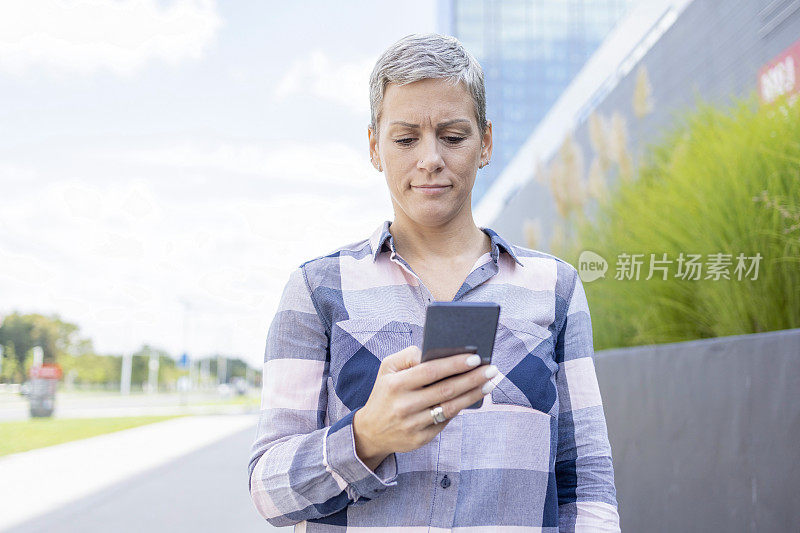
(40, 480)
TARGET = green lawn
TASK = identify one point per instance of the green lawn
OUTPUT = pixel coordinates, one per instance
(24, 435)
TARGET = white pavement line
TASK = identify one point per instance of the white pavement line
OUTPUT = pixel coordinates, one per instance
(38, 481)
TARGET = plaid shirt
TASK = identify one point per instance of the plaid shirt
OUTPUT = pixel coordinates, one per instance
(534, 457)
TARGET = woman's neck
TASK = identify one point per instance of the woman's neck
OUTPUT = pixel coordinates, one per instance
(454, 242)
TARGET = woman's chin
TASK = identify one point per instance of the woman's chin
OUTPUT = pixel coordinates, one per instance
(434, 215)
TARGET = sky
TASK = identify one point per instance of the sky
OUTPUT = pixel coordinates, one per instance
(164, 165)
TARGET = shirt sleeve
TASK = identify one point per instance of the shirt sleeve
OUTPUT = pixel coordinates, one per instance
(584, 471)
(299, 468)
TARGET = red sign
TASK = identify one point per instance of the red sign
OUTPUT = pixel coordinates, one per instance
(781, 75)
(46, 371)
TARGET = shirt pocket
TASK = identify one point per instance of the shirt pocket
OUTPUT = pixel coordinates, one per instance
(525, 357)
(357, 348)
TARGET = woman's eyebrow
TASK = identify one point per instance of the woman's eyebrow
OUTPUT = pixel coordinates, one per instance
(440, 125)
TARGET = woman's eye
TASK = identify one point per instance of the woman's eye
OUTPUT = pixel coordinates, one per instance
(452, 139)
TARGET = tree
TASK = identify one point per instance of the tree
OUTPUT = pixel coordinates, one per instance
(20, 333)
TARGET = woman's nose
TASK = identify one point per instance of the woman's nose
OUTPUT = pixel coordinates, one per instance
(430, 159)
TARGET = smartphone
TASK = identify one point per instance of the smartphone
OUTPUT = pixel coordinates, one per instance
(460, 327)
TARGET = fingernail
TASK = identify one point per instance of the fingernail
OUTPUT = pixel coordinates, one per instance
(474, 360)
(491, 371)
(488, 387)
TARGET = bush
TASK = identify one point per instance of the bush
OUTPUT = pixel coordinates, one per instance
(723, 181)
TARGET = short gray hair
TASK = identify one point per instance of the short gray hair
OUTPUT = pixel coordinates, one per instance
(422, 56)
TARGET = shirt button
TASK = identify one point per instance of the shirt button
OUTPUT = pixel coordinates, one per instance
(445, 482)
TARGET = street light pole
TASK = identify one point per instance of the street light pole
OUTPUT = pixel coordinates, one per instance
(222, 369)
(152, 376)
(38, 356)
(186, 383)
(125, 375)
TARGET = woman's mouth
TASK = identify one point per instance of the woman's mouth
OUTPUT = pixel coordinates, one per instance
(426, 189)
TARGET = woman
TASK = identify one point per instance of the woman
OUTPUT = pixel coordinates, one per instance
(348, 435)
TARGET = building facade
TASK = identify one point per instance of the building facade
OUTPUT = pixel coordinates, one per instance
(529, 50)
(689, 50)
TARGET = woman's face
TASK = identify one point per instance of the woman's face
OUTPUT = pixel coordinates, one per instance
(428, 135)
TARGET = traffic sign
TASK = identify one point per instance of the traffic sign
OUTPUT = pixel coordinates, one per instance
(46, 371)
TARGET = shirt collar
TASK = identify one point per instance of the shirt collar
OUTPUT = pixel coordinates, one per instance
(381, 234)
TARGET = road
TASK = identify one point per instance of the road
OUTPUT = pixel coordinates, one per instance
(205, 490)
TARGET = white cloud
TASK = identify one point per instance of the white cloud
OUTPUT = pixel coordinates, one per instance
(328, 164)
(117, 254)
(318, 75)
(89, 35)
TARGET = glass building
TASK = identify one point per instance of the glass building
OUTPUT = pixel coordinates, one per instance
(529, 50)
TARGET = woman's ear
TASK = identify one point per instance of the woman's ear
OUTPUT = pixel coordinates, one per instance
(486, 145)
(374, 153)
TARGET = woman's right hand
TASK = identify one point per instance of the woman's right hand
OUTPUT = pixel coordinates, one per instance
(396, 417)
